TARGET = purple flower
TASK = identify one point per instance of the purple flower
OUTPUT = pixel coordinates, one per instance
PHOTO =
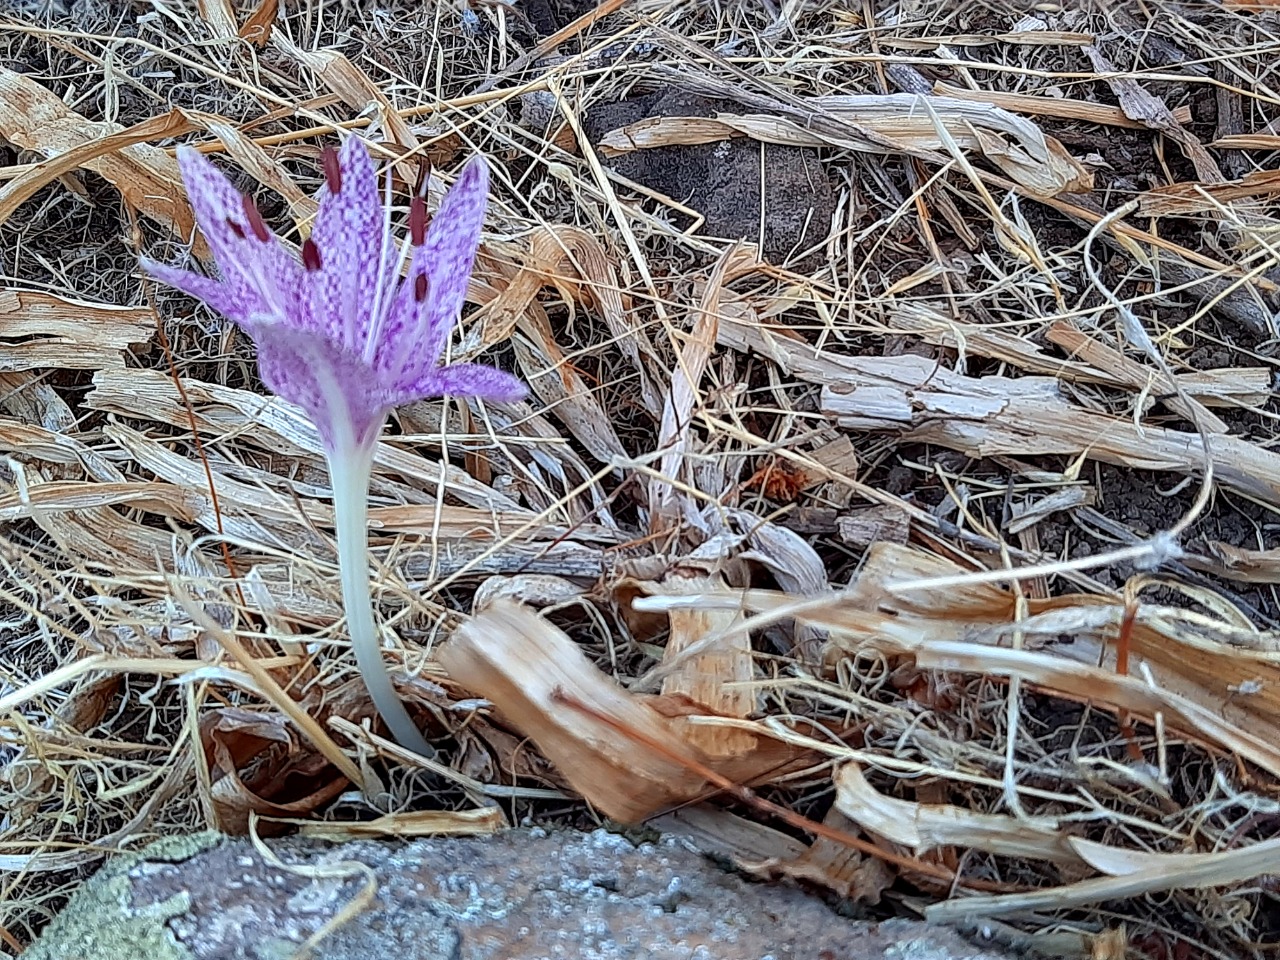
(346, 336)
(340, 333)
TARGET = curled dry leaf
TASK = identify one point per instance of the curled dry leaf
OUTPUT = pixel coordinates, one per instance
(794, 565)
(147, 177)
(884, 123)
(531, 589)
(579, 267)
(924, 827)
(257, 26)
(1199, 665)
(1141, 105)
(848, 873)
(255, 766)
(534, 674)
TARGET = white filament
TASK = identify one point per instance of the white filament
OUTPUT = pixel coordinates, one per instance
(381, 302)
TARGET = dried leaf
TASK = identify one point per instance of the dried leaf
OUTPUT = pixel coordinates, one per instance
(923, 827)
(994, 416)
(151, 395)
(850, 874)
(355, 88)
(1200, 667)
(147, 177)
(1172, 872)
(253, 159)
(718, 676)
(1129, 371)
(883, 124)
(871, 525)
(754, 846)
(1239, 563)
(257, 26)
(1063, 107)
(576, 264)
(411, 823)
(1141, 105)
(1188, 198)
(525, 667)
(219, 16)
(668, 505)
(255, 766)
(531, 589)
(1028, 514)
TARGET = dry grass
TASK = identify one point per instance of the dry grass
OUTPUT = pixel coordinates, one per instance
(954, 534)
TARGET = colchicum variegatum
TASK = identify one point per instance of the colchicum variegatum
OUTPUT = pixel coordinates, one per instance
(348, 336)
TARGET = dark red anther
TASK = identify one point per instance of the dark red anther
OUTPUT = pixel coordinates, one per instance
(235, 228)
(424, 176)
(310, 255)
(332, 171)
(418, 221)
(420, 287)
(256, 223)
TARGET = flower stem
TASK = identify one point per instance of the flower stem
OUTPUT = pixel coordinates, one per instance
(349, 472)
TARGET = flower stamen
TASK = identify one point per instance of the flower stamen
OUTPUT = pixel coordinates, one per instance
(332, 170)
(256, 222)
(420, 287)
(310, 255)
(381, 302)
(418, 221)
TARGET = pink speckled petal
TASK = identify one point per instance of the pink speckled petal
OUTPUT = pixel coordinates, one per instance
(350, 235)
(335, 388)
(215, 293)
(416, 333)
(464, 380)
(260, 277)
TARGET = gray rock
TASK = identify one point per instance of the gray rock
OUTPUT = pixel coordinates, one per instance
(521, 895)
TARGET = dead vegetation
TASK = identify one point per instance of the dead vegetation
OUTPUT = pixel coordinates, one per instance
(921, 546)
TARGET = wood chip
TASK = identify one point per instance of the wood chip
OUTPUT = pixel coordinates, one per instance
(526, 667)
(42, 330)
